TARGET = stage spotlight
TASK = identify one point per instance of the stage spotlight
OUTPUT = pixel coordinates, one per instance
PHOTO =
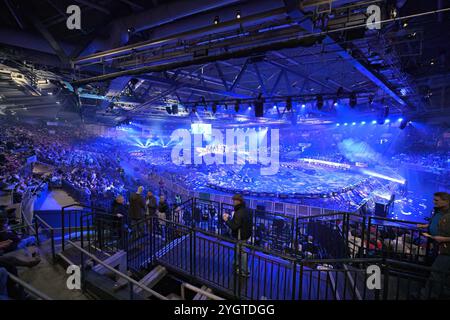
(338, 124)
(289, 104)
(353, 100)
(354, 124)
(400, 119)
(303, 105)
(236, 105)
(319, 102)
(274, 106)
(249, 108)
(387, 121)
(216, 20)
(214, 108)
(346, 124)
(335, 104)
(374, 121)
(238, 14)
(363, 123)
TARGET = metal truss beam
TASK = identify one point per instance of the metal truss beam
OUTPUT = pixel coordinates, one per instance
(222, 78)
(277, 81)
(260, 79)
(308, 25)
(239, 75)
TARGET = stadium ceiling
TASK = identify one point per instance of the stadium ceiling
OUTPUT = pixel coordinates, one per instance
(137, 57)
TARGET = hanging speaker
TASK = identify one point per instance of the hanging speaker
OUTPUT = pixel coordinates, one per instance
(169, 110)
(259, 109)
(174, 109)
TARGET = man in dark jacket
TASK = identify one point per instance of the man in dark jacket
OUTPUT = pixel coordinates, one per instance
(119, 216)
(151, 204)
(118, 208)
(163, 207)
(241, 225)
(137, 207)
(440, 275)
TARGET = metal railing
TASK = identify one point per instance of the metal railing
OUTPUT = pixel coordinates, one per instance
(39, 225)
(207, 294)
(221, 263)
(31, 290)
(131, 281)
(73, 219)
(333, 235)
(399, 239)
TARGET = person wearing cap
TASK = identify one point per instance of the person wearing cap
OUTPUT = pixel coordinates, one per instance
(241, 225)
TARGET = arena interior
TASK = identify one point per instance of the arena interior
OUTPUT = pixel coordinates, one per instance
(223, 149)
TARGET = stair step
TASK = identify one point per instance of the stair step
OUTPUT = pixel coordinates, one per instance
(151, 279)
(118, 259)
(200, 296)
(107, 289)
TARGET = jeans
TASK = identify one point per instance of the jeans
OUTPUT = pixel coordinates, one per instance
(439, 278)
(243, 258)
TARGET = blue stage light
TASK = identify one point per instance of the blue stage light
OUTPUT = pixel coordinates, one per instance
(249, 108)
(374, 121)
(346, 124)
(335, 104)
(363, 122)
(400, 119)
(387, 121)
(303, 105)
(354, 123)
(274, 106)
(338, 124)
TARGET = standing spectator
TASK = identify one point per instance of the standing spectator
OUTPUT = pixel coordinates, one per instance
(118, 207)
(137, 207)
(119, 212)
(163, 208)
(433, 226)
(163, 213)
(151, 204)
(441, 266)
(241, 225)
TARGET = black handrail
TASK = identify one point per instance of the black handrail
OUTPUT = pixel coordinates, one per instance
(301, 270)
(63, 213)
(347, 219)
(38, 220)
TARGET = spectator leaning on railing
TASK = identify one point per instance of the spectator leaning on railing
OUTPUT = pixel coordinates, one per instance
(439, 231)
